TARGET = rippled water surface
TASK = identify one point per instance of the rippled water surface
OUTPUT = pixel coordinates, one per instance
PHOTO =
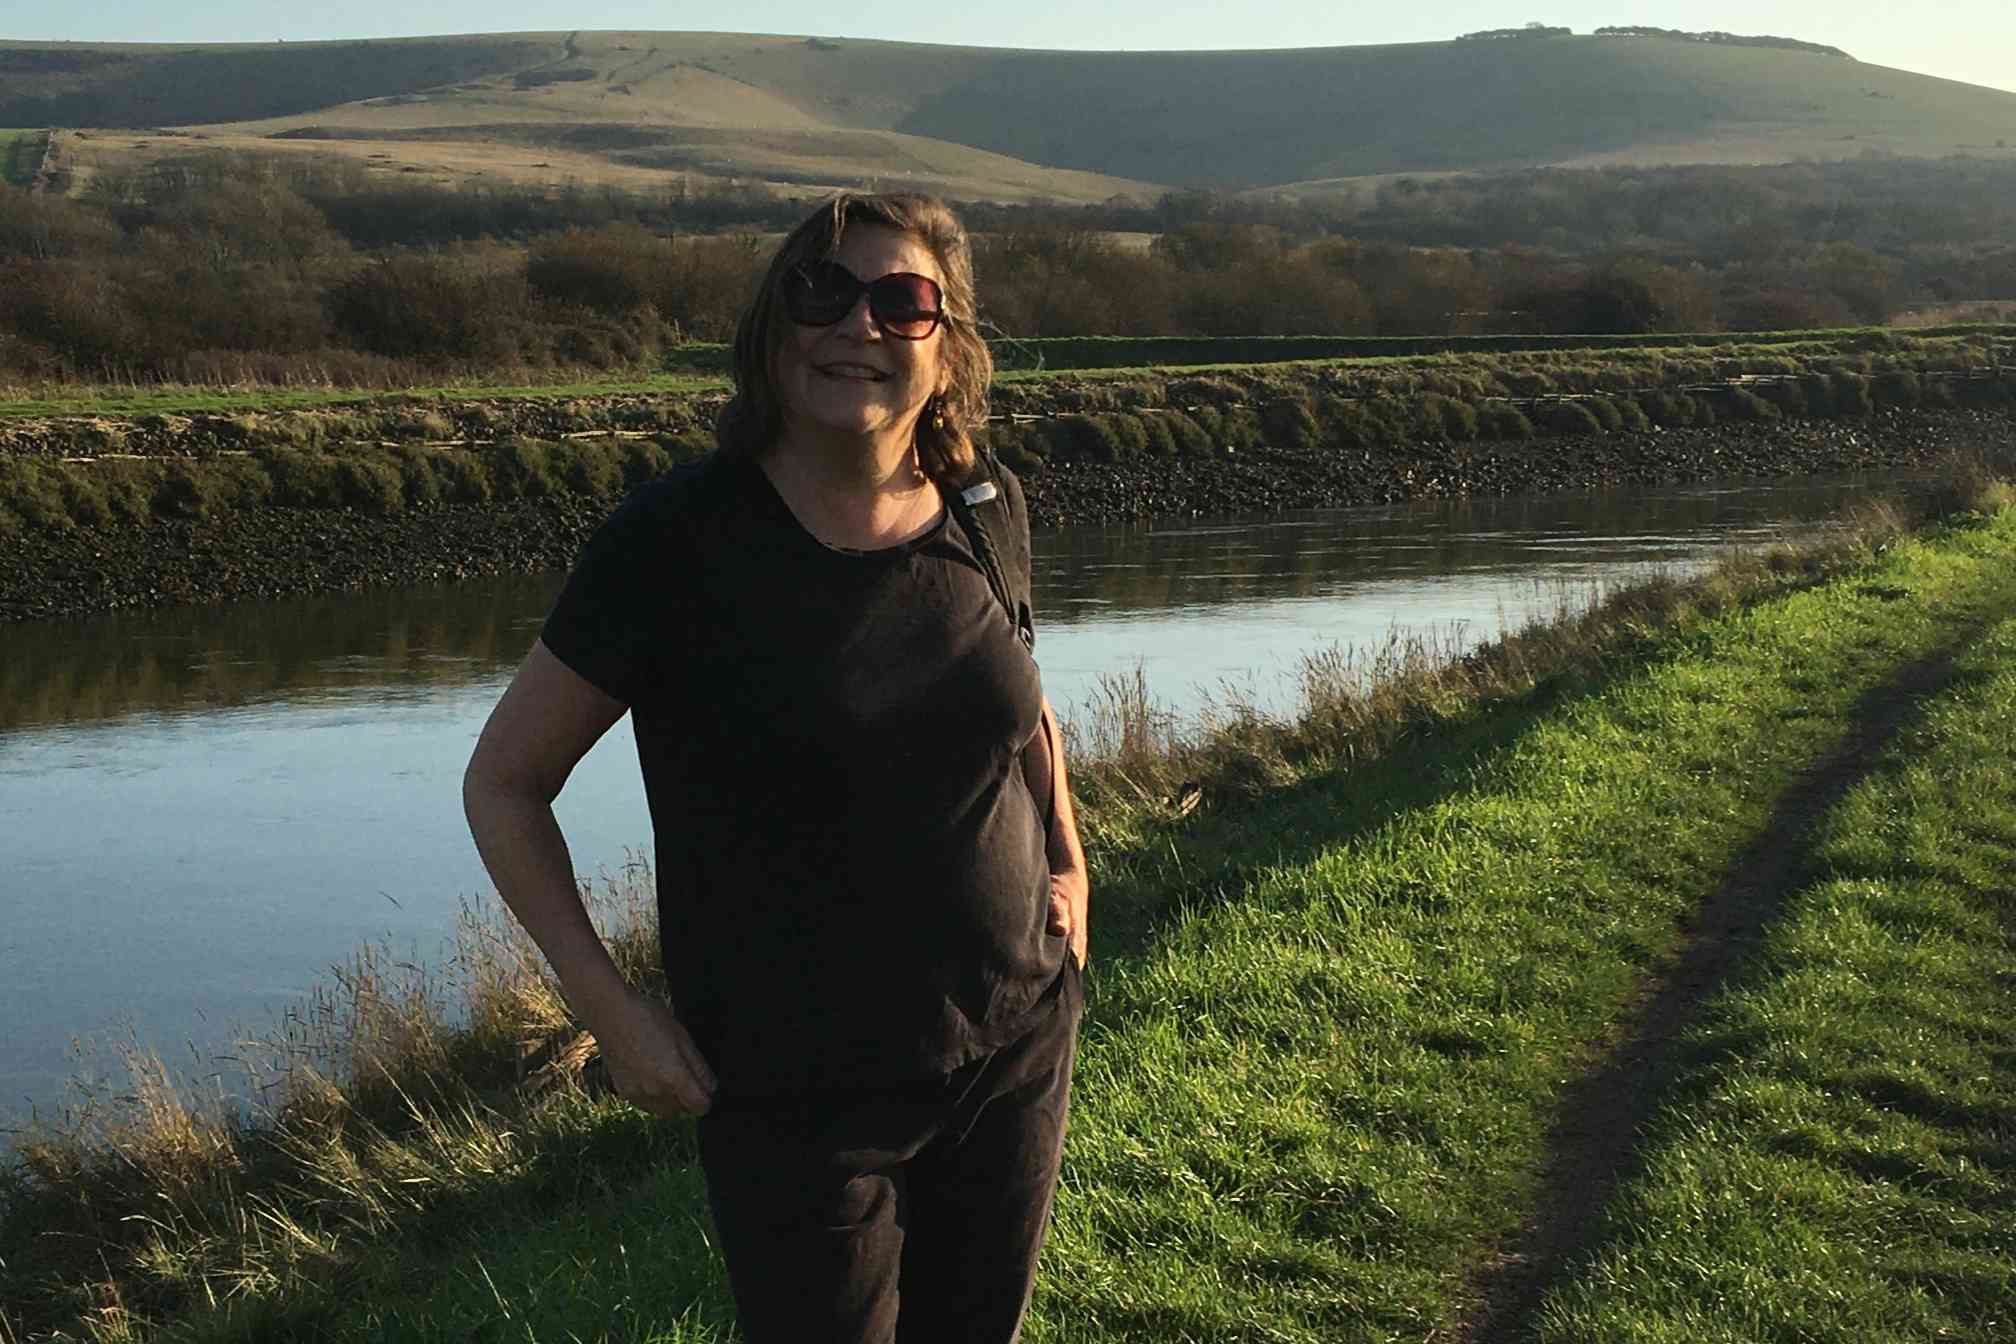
(205, 809)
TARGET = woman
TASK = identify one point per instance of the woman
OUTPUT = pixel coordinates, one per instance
(872, 936)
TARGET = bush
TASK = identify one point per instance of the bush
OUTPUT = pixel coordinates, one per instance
(1162, 441)
(1289, 423)
(1502, 420)
(592, 468)
(523, 469)
(1243, 431)
(130, 489)
(302, 478)
(431, 308)
(1568, 417)
(609, 270)
(1606, 413)
(1669, 409)
(205, 489)
(1744, 404)
(417, 477)
(1819, 394)
(1349, 425)
(1459, 419)
(1896, 387)
(1010, 446)
(465, 477)
(1086, 438)
(1630, 416)
(1851, 395)
(1192, 440)
(369, 482)
(1129, 434)
(1788, 397)
(35, 494)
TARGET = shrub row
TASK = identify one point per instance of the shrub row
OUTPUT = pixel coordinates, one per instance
(1207, 416)
(1295, 420)
(58, 496)
(1119, 352)
(400, 420)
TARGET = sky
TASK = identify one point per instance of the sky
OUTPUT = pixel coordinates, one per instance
(1969, 40)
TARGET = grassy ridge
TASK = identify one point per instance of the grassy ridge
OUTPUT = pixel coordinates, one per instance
(1842, 1164)
(620, 105)
(1332, 1023)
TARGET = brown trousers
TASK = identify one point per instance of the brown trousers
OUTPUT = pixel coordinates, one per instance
(908, 1215)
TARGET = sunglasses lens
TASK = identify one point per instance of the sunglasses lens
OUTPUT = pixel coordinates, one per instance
(906, 305)
(903, 304)
(820, 294)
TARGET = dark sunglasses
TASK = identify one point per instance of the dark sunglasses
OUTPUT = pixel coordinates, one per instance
(903, 303)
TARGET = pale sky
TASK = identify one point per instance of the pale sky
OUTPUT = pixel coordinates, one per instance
(1970, 40)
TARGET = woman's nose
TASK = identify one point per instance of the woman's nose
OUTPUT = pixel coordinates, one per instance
(860, 319)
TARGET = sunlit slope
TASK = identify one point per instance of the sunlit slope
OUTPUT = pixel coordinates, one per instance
(979, 121)
(1255, 118)
(96, 84)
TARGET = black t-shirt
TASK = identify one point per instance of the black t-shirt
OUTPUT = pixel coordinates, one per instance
(852, 883)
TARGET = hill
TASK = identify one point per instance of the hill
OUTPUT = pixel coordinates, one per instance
(629, 107)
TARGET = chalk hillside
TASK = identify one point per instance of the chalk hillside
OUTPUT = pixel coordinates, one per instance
(639, 109)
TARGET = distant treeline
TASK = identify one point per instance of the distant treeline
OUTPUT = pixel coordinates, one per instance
(1723, 39)
(1712, 37)
(1530, 30)
(218, 268)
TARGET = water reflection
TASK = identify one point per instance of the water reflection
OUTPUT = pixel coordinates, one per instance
(206, 807)
(203, 659)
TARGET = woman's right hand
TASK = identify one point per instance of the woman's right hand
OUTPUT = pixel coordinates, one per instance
(652, 1060)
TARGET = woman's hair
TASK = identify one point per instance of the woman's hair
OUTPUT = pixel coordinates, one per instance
(750, 422)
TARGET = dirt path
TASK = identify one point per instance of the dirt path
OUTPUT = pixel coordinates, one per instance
(1594, 1145)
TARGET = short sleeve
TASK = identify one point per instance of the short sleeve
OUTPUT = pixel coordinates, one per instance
(610, 621)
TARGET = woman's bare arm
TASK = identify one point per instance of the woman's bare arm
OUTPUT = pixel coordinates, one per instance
(1070, 886)
(545, 723)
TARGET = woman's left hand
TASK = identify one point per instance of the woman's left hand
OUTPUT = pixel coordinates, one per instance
(1070, 903)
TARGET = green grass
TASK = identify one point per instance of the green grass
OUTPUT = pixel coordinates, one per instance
(1566, 364)
(1333, 1013)
(174, 399)
(1843, 1165)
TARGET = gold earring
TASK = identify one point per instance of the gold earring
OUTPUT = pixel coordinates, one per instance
(937, 415)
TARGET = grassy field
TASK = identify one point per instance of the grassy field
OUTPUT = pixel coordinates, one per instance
(626, 108)
(1731, 854)
(1631, 361)
(1839, 1161)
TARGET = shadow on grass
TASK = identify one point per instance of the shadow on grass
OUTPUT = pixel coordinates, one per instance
(1594, 1146)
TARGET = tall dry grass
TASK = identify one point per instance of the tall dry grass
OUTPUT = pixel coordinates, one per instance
(394, 1086)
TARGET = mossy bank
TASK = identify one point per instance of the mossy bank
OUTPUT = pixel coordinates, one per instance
(100, 513)
(118, 534)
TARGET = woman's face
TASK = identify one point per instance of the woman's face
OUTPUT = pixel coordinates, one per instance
(852, 377)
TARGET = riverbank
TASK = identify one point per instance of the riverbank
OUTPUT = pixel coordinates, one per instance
(1347, 1010)
(527, 507)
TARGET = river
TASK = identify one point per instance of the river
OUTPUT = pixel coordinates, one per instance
(207, 808)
